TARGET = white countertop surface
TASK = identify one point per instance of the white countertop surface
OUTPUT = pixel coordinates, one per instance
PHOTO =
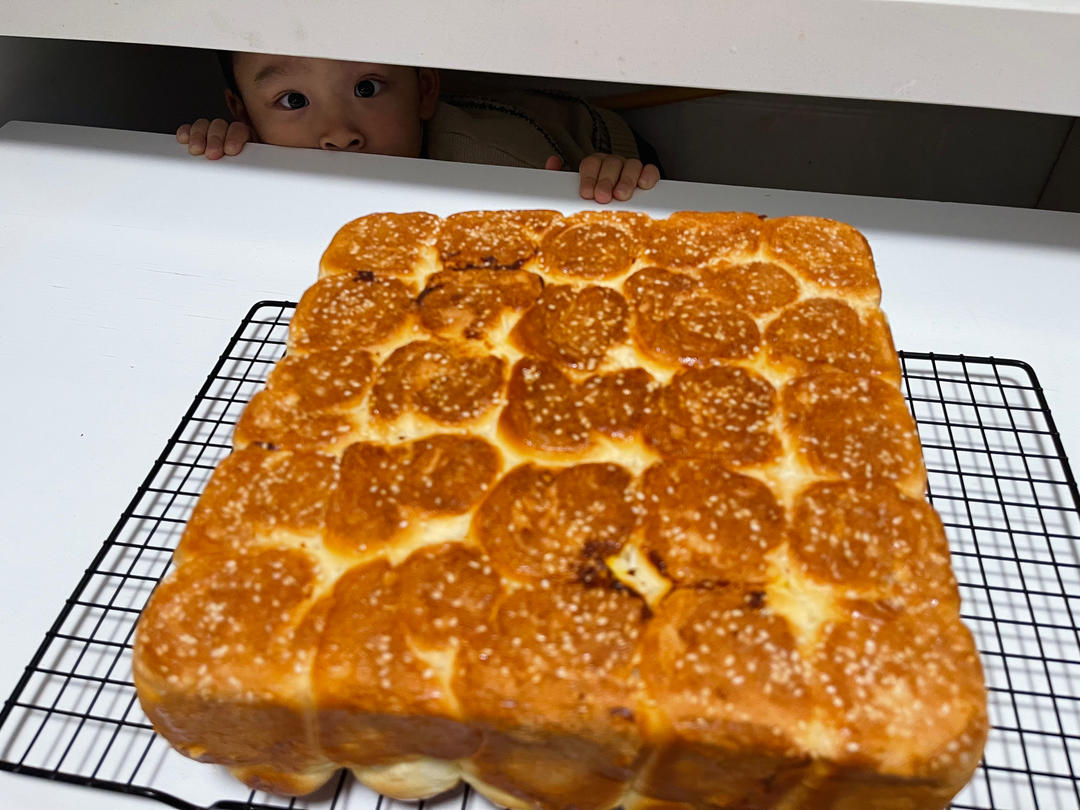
(1014, 54)
(125, 266)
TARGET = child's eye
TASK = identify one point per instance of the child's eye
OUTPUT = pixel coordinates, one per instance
(293, 101)
(366, 88)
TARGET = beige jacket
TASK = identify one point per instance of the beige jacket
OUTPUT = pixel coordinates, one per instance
(525, 128)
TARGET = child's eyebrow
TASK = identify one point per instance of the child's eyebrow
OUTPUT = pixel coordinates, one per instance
(270, 71)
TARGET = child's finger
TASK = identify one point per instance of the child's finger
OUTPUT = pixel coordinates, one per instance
(650, 176)
(197, 137)
(590, 172)
(628, 180)
(554, 164)
(609, 175)
(235, 137)
(215, 138)
(183, 132)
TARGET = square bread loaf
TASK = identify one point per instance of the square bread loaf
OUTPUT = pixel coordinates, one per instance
(588, 511)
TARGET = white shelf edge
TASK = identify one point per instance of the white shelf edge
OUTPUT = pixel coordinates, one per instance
(1009, 54)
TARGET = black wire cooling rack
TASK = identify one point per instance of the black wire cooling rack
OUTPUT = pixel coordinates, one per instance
(998, 477)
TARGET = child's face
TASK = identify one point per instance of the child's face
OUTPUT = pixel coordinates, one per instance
(327, 104)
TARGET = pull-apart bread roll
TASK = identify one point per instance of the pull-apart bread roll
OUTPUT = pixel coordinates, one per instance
(588, 511)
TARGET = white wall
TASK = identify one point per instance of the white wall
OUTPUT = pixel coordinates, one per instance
(141, 87)
(877, 148)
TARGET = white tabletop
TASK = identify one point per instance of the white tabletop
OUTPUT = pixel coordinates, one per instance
(125, 265)
(1015, 54)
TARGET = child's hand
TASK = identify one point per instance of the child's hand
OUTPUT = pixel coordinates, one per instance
(607, 177)
(214, 138)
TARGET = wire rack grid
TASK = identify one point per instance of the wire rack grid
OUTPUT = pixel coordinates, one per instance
(998, 477)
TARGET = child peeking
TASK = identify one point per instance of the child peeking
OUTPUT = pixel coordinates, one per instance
(396, 110)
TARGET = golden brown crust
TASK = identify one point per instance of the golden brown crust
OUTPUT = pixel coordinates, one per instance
(677, 319)
(383, 490)
(615, 403)
(587, 511)
(542, 410)
(727, 666)
(446, 593)
(695, 238)
(826, 332)
(828, 253)
(736, 695)
(403, 709)
(539, 524)
(306, 401)
(255, 492)
(868, 538)
(755, 287)
(466, 303)
(271, 422)
(890, 704)
(854, 427)
(350, 311)
(572, 327)
(723, 413)
(708, 526)
(495, 240)
(383, 243)
(593, 246)
(222, 658)
(551, 684)
(547, 412)
(441, 380)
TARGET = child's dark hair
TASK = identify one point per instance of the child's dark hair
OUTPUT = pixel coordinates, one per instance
(225, 59)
